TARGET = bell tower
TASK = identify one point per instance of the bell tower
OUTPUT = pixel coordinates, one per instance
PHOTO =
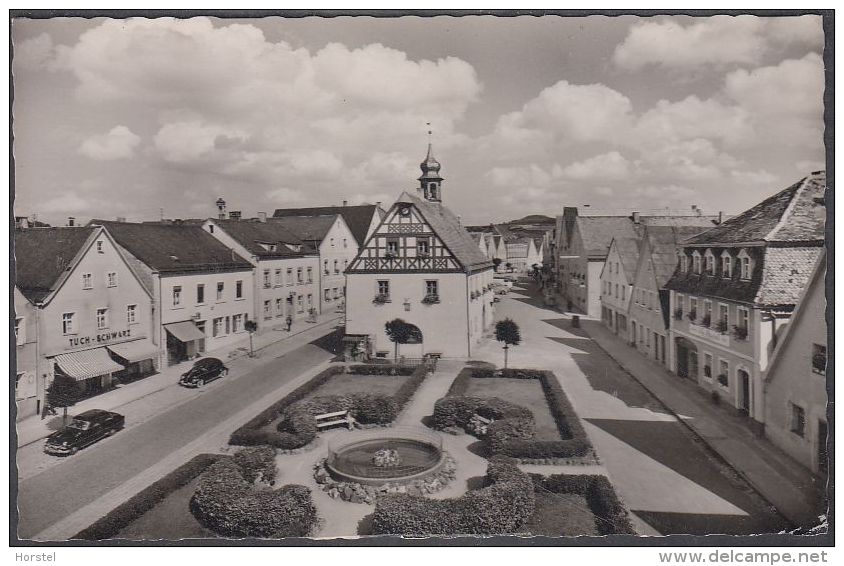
(430, 183)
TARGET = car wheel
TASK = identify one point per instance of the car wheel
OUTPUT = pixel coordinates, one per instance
(201, 382)
(73, 451)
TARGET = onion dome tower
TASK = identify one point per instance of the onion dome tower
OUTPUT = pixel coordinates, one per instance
(430, 183)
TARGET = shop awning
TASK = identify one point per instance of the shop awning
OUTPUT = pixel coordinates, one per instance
(185, 331)
(134, 351)
(87, 363)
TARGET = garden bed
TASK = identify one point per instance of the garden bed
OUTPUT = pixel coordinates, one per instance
(515, 420)
(373, 395)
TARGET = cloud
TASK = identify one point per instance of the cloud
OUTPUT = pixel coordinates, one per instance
(610, 165)
(758, 177)
(182, 142)
(35, 52)
(118, 143)
(716, 40)
(282, 197)
(806, 166)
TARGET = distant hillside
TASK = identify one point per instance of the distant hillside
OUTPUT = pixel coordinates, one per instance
(533, 219)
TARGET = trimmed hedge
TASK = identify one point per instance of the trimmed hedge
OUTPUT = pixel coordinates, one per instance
(257, 463)
(501, 507)
(125, 514)
(611, 518)
(230, 505)
(297, 426)
(511, 433)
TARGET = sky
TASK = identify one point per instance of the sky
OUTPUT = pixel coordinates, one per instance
(124, 118)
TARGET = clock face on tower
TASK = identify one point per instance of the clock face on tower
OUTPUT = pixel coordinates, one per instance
(404, 211)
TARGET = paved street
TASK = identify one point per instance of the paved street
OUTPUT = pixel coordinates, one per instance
(77, 481)
(667, 477)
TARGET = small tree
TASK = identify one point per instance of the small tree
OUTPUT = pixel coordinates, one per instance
(496, 261)
(251, 327)
(64, 392)
(401, 332)
(507, 331)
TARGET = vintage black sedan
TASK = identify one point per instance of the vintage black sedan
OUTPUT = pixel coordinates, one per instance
(203, 371)
(85, 429)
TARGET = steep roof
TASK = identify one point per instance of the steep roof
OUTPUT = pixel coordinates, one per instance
(251, 234)
(42, 255)
(795, 214)
(448, 228)
(168, 247)
(307, 228)
(664, 242)
(628, 252)
(358, 217)
(597, 232)
(786, 274)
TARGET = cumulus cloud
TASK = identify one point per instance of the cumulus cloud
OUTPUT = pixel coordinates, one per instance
(35, 52)
(182, 142)
(610, 165)
(118, 143)
(716, 40)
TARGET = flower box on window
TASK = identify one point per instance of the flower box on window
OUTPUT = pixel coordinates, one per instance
(678, 314)
(707, 371)
(706, 320)
(692, 316)
(381, 298)
(721, 326)
(819, 363)
(740, 332)
(390, 255)
(722, 380)
(430, 299)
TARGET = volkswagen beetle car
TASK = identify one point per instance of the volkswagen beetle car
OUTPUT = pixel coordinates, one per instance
(85, 429)
(203, 371)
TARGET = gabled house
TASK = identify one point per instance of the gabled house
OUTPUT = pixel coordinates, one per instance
(333, 240)
(422, 266)
(796, 380)
(739, 284)
(201, 289)
(85, 308)
(616, 284)
(284, 267)
(26, 355)
(360, 219)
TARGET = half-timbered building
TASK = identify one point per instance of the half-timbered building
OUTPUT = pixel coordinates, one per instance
(422, 266)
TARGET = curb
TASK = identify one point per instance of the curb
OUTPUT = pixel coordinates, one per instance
(160, 389)
(720, 457)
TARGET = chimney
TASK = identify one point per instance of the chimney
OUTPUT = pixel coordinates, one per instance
(635, 217)
(262, 217)
(460, 220)
(221, 208)
(121, 219)
(71, 221)
(378, 204)
(345, 203)
(234, 215)
(720, 217)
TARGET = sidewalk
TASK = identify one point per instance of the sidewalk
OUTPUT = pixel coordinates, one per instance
(792, 489)
(32, 429)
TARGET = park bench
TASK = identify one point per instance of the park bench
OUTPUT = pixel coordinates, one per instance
(484, 420)
(332, 419)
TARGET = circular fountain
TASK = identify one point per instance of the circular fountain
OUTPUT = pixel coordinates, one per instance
(396, 456)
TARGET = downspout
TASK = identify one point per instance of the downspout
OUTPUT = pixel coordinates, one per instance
(40, 381)
(468, 326)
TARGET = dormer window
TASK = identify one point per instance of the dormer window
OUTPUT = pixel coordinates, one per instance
(726, 264)
(696, 262)
(684, 262)
(709, 261)
(745, 264)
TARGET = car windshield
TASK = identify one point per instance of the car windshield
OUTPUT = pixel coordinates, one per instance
(81, 425)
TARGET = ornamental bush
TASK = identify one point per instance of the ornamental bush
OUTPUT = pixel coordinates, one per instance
(257, 463)
(501, 507)
(228, 504)
(611, 517)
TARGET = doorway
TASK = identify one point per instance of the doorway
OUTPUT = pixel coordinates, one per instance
(822, 454)
(744, 392)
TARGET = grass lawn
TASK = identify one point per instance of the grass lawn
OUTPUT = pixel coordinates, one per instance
(525, 392)
(171, 519)
(346, 383)
(560, 514)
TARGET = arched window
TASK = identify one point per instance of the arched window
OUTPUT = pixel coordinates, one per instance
(696, 262)
(684, 262)
(745, 264)
(726, 264)
(709, 259)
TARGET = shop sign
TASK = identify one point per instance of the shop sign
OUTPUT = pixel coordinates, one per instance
(102, 338)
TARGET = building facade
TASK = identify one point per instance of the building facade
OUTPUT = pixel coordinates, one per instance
(736, 287)
(796, 381)
(26, 355)
(421, 266)
(360, 219)
(616, 282)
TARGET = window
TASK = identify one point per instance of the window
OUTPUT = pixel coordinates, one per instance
(336, 266)
(345, 264)
(211, 228)
(325, 267)
(798, 420)
(100, 247)
(384, 288)
(345, 243)
(723, 317)
(237, 323)
(696, 262)
(432, 288)
(267, 282)
(726, 265)
(289, 276)
(220, 289)
(279, 307)
(336, 293)
(332, 242)
(86, 281)
(819, 359)
(217, 328)
(678, 306)
(710, 262)
(200, 294)
(327, 295)
(111, 278)
(707, 366)
(20, 334)
(423, 246)
(278, 278)
(177, 295)
(299, 275)
(742, 324)
(684, 263)
(102, 319)
(68, 326)
(238, 289)
(623, 293)
(692, 308)
(267, 311)
(300, 304)
(744, 261)
(310, 275)
(130, 313)
(228, 325)
(707, 312)
(310, 300)
(392, 247)
(724, 373)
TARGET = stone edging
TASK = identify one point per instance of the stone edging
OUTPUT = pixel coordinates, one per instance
(354, 492)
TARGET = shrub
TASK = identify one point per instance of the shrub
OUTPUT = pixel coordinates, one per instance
(409, 387)
(373, 409)
(501, 433)
(118, 519)
(501, 507)
(380, 369)
(225, 502)
(454, 410)
(257, 463)
(611, 518)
